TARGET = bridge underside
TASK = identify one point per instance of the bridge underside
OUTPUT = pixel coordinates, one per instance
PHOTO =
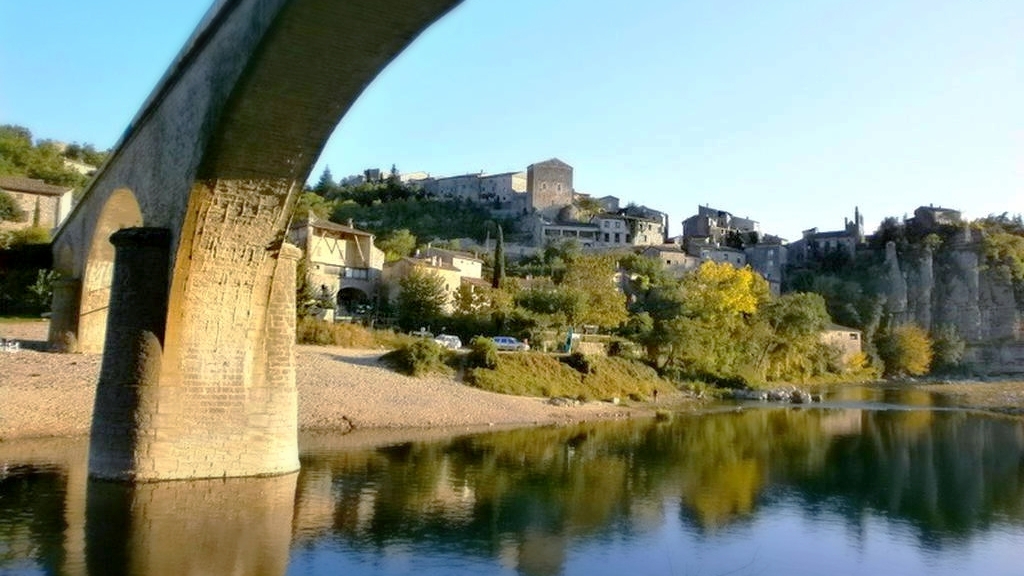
(197, 289)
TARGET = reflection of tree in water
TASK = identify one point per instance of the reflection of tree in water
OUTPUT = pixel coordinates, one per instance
(32, 518)
(954, 477)
(498, 495)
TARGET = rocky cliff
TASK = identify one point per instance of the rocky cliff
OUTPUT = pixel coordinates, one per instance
(953, 285)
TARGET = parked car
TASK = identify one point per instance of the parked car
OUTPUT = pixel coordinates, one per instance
(510, 344)
(448, 341)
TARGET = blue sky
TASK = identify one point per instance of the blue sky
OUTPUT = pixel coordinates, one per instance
(789, 112)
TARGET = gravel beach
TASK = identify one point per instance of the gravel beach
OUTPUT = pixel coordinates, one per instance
(48, 394)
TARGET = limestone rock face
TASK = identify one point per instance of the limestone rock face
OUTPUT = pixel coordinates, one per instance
(955, 287)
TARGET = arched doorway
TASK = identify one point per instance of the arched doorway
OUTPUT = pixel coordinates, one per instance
(353, 302)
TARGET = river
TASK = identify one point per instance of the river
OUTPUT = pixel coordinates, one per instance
(866, 485)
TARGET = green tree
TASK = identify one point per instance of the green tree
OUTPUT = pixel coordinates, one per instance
(9, 209)
(499, 260)
(702, 328)
(790, 347)
(947, 348)
(421, 299)
(315, 204)
(594, 278)
(564, 306)
(397, 244)
(325, 186)
(44, 160)
(906, 351)
(41, 291)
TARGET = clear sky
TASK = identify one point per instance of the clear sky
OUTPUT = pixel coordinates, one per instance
(790, 112)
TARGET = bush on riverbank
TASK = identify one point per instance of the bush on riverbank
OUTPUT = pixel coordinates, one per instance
(347, 335)
(419, 357)
(587, 378)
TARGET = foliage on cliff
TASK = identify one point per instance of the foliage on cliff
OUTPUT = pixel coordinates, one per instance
(1003, 248)
(45, 160)
(856, 289)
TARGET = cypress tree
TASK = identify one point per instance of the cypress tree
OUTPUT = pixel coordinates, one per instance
(499, 260)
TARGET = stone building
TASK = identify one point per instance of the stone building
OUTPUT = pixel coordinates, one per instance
(469, 265)
(769, 260)
(677, 262)
(340, 261)
(502, 188)
(847, 340)
(815, 244)
(544, 231)
(933, 217)
(627, 230)
(504, 193)
(734, 256)
(715, 225)
(451, 277)
(44, 205)
(549, 187)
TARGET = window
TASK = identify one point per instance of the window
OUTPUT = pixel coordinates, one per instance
(606, 237)
(853, 335)
(617, 237)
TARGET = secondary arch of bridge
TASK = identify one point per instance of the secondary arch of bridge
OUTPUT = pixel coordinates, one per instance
(210, 392)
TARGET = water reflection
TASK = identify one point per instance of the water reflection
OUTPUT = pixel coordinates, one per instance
(705, 493)
(232, 526)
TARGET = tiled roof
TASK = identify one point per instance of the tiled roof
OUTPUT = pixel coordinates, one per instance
(832, 327)
(476, 281)
(31, 186)
(426, 263)
(667, 248)
(453, 253)
(327, 225)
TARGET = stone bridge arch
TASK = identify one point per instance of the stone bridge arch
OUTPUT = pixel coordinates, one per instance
(120, 211)
(198, 371)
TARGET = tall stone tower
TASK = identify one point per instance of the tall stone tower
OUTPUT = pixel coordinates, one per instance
(549, 187)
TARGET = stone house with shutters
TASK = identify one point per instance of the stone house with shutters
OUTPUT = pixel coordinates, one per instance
(340, 261)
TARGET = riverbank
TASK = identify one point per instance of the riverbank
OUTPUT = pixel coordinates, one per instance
(48, 394)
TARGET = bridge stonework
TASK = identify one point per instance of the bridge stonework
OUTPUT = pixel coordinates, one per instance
(194, 309)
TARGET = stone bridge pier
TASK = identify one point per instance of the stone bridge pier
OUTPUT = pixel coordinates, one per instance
(174, 263)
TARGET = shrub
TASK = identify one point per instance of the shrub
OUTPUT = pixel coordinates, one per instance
(948, 349)
(483, 353)
(312, 331)
(580, 362)
(422, 356)
(545, 375)
(906, 351)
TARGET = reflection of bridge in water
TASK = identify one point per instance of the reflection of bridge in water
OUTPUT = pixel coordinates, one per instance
(521, 498)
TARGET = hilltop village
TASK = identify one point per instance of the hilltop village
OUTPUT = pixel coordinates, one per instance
(715, 297)
(543, 209)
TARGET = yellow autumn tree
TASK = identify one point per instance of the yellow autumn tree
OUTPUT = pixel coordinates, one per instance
(709, 338)
(906, 351)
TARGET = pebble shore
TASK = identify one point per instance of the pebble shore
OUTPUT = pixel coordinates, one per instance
(47, 394)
